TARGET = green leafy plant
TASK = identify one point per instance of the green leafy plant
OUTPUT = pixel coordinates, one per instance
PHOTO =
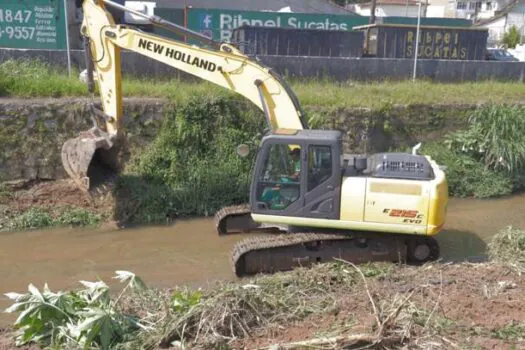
(184, 300)
(487, 159)
(192, 168)
(495, 135)
(32, 219)
(78, 217)
(514, 331)
(85, 318)
(466, 175)
(512, 37)
(39, 218)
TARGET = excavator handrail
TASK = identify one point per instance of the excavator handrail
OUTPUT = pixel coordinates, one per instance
(161, 22)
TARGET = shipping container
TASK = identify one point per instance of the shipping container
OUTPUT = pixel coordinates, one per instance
(254, 40)
(399, 41)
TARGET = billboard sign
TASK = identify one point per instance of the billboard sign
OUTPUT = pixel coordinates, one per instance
(32, 24)
(219, 24)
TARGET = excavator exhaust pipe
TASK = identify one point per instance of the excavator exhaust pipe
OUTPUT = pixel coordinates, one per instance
(90, 159)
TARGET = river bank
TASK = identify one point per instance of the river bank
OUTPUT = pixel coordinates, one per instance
(334, 306)
(180, 161)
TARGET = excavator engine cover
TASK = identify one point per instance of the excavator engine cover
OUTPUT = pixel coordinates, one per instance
(89, 158)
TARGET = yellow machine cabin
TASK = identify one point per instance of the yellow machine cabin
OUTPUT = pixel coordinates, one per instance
(305, 180)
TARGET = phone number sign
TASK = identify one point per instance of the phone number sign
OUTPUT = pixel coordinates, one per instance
(32, 24)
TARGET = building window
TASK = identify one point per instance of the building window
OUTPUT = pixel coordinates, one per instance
(461, 6)
(489, 6)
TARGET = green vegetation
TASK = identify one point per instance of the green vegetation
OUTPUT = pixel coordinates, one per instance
(512, 37)
(514, 331)
(73, 319)
(191, 168)
(488, 158)
(466, 176)
(37, 218)
(30, 78)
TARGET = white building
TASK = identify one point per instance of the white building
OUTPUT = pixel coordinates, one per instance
(384, 8)
(477, 10)
(512, 14)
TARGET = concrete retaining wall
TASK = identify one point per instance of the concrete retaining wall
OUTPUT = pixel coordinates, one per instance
(32, 131)
(363, 69)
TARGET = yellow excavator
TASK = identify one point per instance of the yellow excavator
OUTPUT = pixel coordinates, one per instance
(323, 204)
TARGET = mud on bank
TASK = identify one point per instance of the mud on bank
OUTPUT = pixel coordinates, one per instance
(38, 204)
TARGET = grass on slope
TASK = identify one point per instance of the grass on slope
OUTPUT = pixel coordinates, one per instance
(26, 78)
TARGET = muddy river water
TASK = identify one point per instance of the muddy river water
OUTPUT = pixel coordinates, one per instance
(190, 252)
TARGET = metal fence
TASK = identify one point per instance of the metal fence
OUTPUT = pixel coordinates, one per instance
(337, 68)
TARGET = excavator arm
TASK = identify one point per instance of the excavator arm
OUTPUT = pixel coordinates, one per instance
(223, 65)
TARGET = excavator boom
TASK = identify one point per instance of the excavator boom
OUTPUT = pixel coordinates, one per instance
(222, 65)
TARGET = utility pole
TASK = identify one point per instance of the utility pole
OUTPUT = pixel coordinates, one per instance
(66, 20)
(373, 13)
(417, 41)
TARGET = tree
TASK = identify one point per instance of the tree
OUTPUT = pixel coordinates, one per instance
(512, 37)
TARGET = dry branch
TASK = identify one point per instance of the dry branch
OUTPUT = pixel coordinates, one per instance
(326, 343)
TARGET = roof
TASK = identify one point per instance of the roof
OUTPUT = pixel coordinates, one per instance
(299, 6)
(366, 26)
(504, 11)
(392, 3)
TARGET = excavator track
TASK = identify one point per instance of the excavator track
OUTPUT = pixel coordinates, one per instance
(237, 219)
(269, 254)
(272, 253)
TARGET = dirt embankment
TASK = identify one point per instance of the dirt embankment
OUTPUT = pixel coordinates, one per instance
(472, 306)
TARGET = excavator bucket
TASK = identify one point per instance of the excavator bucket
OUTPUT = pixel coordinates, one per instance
(90, 158)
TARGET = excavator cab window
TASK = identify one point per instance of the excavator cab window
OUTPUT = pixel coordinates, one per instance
(319, 165)
(280, 182)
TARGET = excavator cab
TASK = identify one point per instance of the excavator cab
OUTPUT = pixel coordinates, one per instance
(307, 185)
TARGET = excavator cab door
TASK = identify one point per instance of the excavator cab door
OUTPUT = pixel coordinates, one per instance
(278, 179)
(297, 177)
